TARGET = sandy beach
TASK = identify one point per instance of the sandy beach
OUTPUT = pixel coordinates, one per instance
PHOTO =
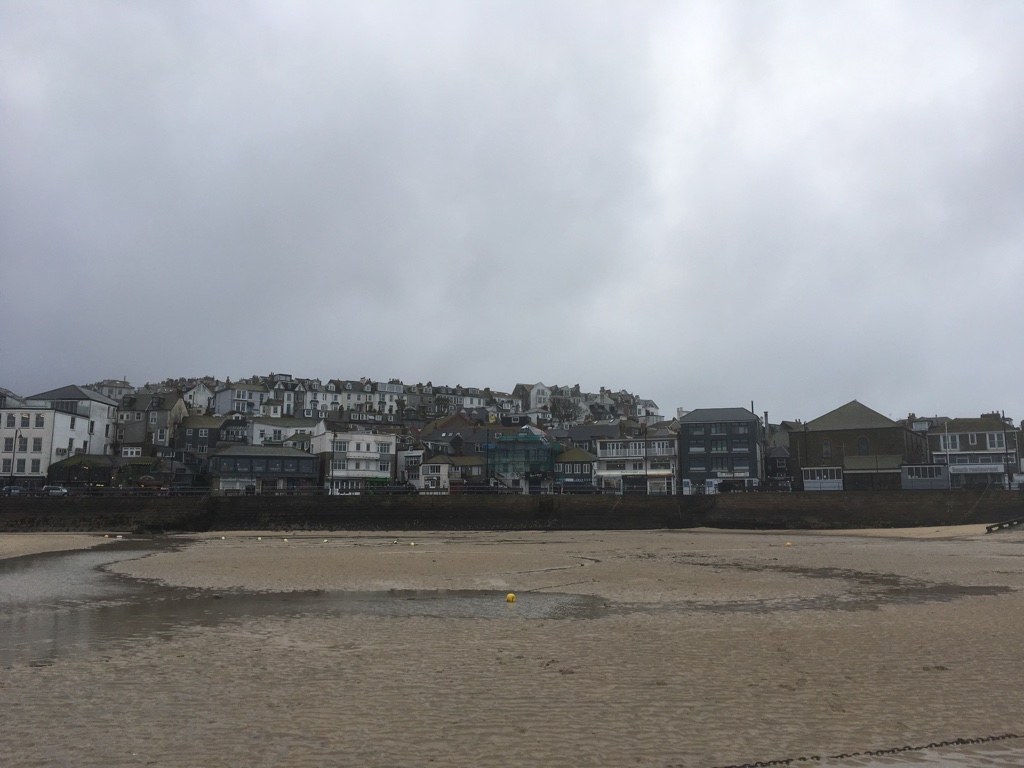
(709, 648)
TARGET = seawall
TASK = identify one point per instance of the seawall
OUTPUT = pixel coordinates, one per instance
(866, 509)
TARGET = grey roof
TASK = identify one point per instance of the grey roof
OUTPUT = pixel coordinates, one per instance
(707, 415)
(285, 421)
(853, 415)
(202, 422)
(72, 392)
(593, 431)
(259, 450)
(576, 455)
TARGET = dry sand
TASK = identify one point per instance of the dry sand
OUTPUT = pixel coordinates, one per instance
(17, 544)
(717, 649)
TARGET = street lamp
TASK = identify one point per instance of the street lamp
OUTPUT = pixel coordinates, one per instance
(14, 453)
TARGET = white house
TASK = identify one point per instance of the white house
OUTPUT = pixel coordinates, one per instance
(99, 411)
(354, 461)
(33, 438)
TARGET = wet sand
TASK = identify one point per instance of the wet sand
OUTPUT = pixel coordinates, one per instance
(718, 648)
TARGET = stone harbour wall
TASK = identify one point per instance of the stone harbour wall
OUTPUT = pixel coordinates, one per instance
(865, 509)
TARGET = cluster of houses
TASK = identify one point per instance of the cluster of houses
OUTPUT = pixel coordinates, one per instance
(281, 434)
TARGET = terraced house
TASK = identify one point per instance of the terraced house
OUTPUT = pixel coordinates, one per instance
(978, 453)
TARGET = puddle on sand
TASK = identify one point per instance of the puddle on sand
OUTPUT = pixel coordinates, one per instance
(57, 604)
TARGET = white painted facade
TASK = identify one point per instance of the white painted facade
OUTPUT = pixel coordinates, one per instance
(32, 439)
(351, 460)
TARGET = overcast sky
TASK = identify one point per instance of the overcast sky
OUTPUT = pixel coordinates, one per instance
(703, 203)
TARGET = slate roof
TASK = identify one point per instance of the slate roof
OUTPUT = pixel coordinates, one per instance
(73, 392)
(989, 424)
(708, 415)
(577, 455)
(590, 431)
(259, 450)
(853, 415)
(202, 422)
(285, 421)
(468, 461)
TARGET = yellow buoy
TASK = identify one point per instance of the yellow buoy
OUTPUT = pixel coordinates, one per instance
(788, 544)
(510, 598)
(259, 538)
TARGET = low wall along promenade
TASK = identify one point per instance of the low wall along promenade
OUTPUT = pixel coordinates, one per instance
(866, 509)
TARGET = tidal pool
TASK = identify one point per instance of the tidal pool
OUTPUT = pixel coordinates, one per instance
(56, 604)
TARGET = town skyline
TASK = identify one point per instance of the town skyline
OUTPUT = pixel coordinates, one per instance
(666, 413)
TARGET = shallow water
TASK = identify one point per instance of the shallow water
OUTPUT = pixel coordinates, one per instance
(57, 604)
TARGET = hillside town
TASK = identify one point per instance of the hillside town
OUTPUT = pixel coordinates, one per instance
(276, 434)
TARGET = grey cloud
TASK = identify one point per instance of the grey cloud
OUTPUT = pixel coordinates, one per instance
(705, 203)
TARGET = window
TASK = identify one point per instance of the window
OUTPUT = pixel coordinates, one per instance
(823, 473)
(720, 463)
(152, 417)
(740, 429)
(718, 429)
(10, 420)
(696, 446)
(37, 445)
(924, 473)
(8, 444)
(863, 447)
(385, 448)
(697, 430)
(162, 436)
(7, 466)
(138, 415)
(23, 444)
(386, 467)
(128, 452)
(698, 464)
(996, 440)
(35, 466)
(21, 466)
(826, 449)
(972, 439)
(188, 432)
(24, 420)
(949, 442)
(72, 422)
(204, 433)
(741, 464)
(188, 446)
(719, 446)
(40, 421)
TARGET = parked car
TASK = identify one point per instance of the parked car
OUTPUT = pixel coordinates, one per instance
(54, 490)
(10, 490)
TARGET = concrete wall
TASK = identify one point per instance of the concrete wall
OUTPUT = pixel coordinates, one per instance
(865, 509)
